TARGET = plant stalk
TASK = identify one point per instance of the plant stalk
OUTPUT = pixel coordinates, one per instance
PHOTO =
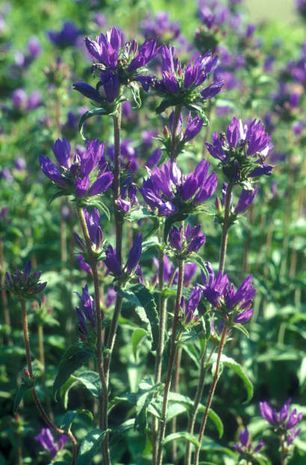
(40, 408)
(172, 357)
(103, 399)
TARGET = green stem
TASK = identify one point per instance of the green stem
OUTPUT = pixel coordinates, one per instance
(172, 357)
(197, 399)
(176, 119)
(40, 408)
(103, 398)
(210, 395)
(223, 249)
(224, 239)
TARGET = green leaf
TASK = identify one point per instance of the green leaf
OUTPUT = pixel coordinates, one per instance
(140, 296)
(137, 337)
(22, 389)
(90, 114)
(71, 415)
(74, 358)
(90, 446)
(91, 381)
(214, 417)
(181, 435)
(239, 370)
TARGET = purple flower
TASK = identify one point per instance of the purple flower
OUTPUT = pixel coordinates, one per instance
(301, 7)
(119, 63)
(242, 150)
(113, 264)
(24, 284)
(92, 219)
(34, 47)
(171, 273)
(86, 314)
(184, 85)
(236, 303)
(187, 240)
(170, 192)
(134, 254)
(283, 420)
(47, 441)
(112, 261)
(74, 172)
(128, 156)
(190, 305)
(66, 37)
(245, 445)
(246, 198)
(19, 99)
(160, 28)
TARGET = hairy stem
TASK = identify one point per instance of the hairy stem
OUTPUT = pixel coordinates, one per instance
(172, 357)
(45, 417)
(176, 382)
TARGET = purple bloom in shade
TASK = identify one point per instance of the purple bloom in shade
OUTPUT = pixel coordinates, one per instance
(24, 284)
(242, 150)
(110, 297)
(190, 305)
(170, 192)
(246, 199)
(245, 445)
(74, 172)
(86, 313)
(301, 7)
(19, 99)
(283, 420)
(83, 265)
(119, 63)
(112, 262)
(134, 253)
(34, 47)
(47, 441)
(160, 28)
(66, 37)
(187, 240)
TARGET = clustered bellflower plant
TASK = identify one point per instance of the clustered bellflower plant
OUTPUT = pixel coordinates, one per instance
(173, 227)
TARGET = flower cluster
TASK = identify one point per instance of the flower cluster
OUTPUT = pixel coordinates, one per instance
(284, 421)
(74, 171)
(175, 138)
(234, 304)
(24, 284)
(171, 192)
(183, 86)
(245, 446)
(119, 63)
(242, 150)
(160, 28)
(185, 241)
